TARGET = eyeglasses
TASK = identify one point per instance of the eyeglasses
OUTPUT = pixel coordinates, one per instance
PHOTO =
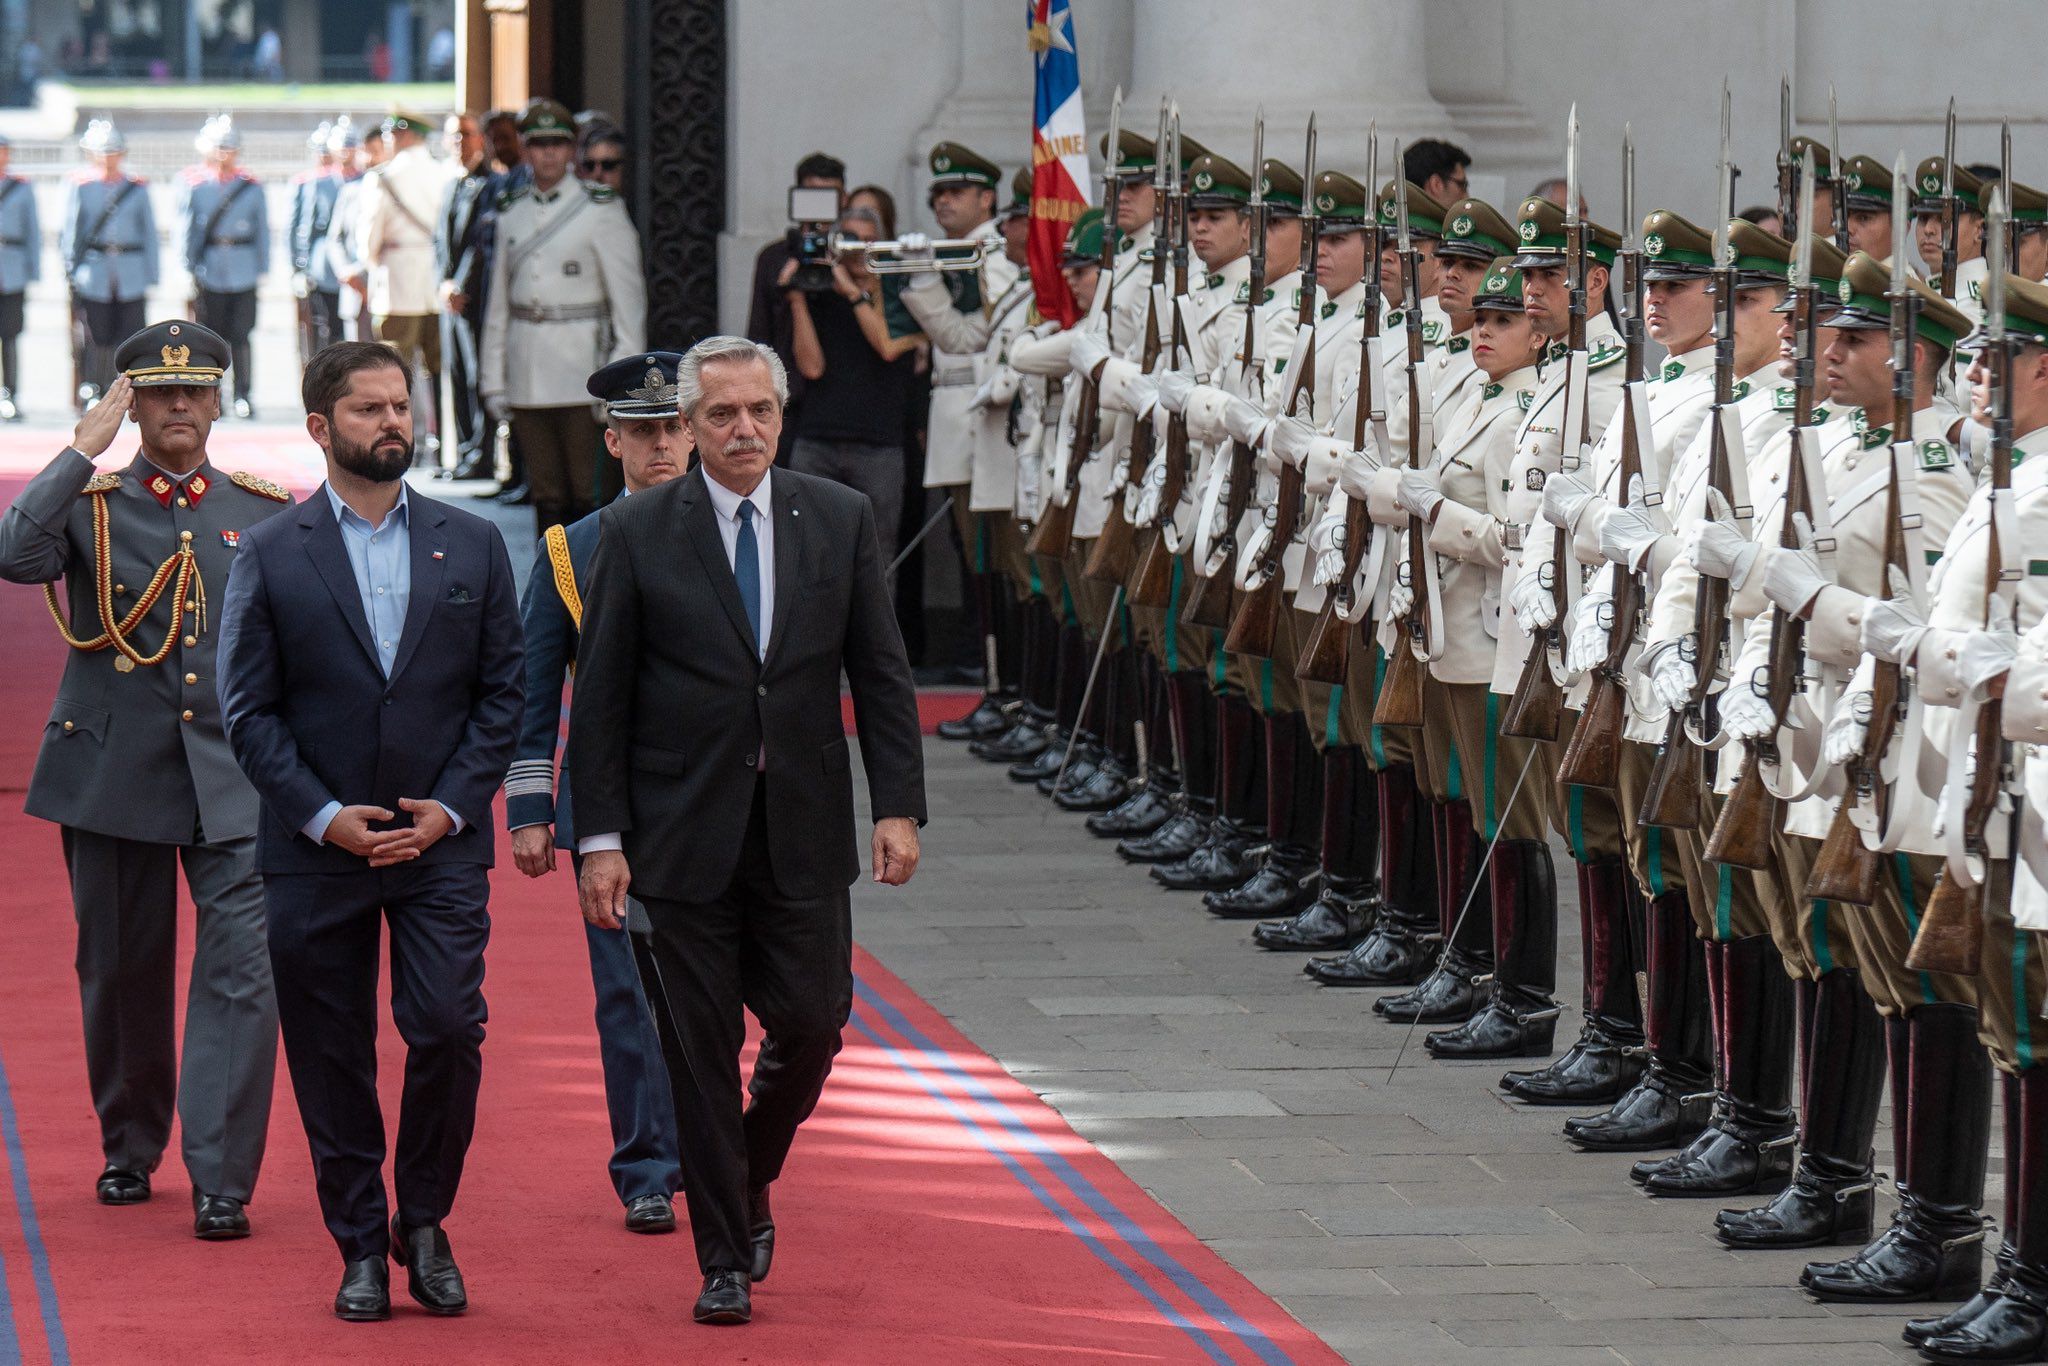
(604, 164)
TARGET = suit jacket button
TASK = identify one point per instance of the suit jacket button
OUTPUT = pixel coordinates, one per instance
(188, 713)
(753, 761)
(761, 691)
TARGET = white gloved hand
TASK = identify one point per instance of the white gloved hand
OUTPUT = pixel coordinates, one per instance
(984, 394)
(1988, 654)
(1592, 624)
(1244, 420)
(1672, 676)
(497, 408)
(1401, 595)
(1794, 578)
(1149, 494)
(1418, 494)
(1848, 727)
(1533, 600)
(1174, 388)
(1629, 532)
(1893, 626)
(1086, 352)
(1143, 394)
(1565, 499)
(1745, 712)
(1355, 472)
(1717, 548)
(916, 249)
(1288, 440)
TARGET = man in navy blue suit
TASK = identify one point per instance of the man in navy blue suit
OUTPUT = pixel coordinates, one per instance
(644, 432)
(371, 681)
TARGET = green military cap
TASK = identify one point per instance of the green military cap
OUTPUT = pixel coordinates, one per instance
(2026, 315)
(953, 164)
(1867, 183)
(1475, 229)
(1281, 185)
(1762, 258)
(173, 353)
(544, 120)
(1217, 183)
(1501, 290)
(2027, 205)
(1540, 229)
(1135, 154)
(1827, 263)
(400, 121)
(1020, 194)
(1190, 153)
(1425, 215)
(1864, 295)
(1927, 188)
(1802, 144)
(1084, 240)
(1674, 248)
(1341, 203)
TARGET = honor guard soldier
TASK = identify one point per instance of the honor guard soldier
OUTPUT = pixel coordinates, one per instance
(566, 297)
(305, 201)
(110, 258)
(312, 248)
(135, 768)
(21, 251)
(401, 199)
(227, 246)
(1867, 189)
(1930, 222)
(644, 431)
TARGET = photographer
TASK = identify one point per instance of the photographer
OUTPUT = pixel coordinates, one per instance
(856, 377)
(768, 318)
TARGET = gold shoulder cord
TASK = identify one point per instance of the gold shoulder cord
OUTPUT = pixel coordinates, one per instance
(189, 591)
(557, 540)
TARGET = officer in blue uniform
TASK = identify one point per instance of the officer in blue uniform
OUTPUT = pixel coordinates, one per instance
(227, 245)
(109, 248)
(310, 248)
(21, 250)
(644, 432)
(305, 197)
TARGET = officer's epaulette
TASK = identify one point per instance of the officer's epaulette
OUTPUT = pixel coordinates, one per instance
(261, 487)
(513, 196)
(1784, 398)
(1244, 292)
(599, 194)
(1740, 391)
(104, 482)
(1605, 352)
(1432, 330)
(1935, 455)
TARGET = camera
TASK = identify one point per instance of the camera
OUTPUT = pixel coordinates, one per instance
(813, 215)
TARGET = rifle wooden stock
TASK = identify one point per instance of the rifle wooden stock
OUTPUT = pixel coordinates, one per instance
(1326, 654)
(1054, 534)
(1257, 620)
(1592, 757)
(1400, 700)
(1672, 800)
(1742, 832)
(1115, 551)
(1846, 869)
(1951, 934)
(1150, 582)
(1209, 601)
(1536, 711)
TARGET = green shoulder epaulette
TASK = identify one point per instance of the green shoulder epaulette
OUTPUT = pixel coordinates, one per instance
(105, 482)
(263, 488)
(1935, 455)
(1740, 391)
(599, 194)
(1329, 308)
(1604, 353)
(511, 197)
(1432, 331)
(1784, 398)
(1460, 343)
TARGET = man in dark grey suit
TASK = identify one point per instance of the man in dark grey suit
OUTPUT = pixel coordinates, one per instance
(371, 680)
(712, 776)
(135, 768)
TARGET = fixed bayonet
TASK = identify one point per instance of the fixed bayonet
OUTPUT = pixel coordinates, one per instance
(1787, 170)
(1839, 186)
(1950, 210)
(2005, 180)
(1901, 195)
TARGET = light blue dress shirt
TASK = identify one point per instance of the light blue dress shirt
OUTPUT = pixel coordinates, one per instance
(381, 557)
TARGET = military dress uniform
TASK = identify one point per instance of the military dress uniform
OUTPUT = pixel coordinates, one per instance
(226, 235)
(305, 192)
(21, 254)
(135, 768)
(109, 247)
(566, 296)
(401, 198)
(313, 247)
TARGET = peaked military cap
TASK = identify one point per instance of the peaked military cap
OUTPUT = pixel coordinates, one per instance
(178, 352)
(1821, 159)
(316, 141)
(1540, 229)
(1281, 185)
(1827, 264)
(2026, 204)
(1215, 182)
(1927, 188)
(1501, 290)
(1864, 293)
(1867, 183)
(1135, 155)
(643, 385)
(101, 138)
(1475, 229)
(1084, 240)
(1020, 195)
(2026, 314)
(1425, 215)
(398, 120)
(953, 164)
(1190, 152)
(1343, 204)
(219, 133)
(547, 120)
(1675, 248)
(344, 135)
(1762, 259)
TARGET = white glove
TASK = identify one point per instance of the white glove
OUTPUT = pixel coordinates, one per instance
(1988, 654)
(1629, 532)
(1672, 676)
(1401, 595)
(1592, 624)
(497, 408)
(1717, 548)
(1287, 441)
(1793, 578)
(1086, 352)
(915, 248)
(1149, 494)
(1174, 388)
(1841, 741)
(1745, 712)
(1143, 392)
(984, 394)
(1355, 472)
(1534, 601)
(1417, 492)
(1565, 498)
(1892, 627)
(1244, 420)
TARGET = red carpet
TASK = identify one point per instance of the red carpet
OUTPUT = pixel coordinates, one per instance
(934, 1209)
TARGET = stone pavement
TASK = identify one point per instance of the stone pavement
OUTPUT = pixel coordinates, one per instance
(1419, 1219)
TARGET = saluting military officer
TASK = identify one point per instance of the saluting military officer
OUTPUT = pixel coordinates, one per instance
(227, 245)
(401, 199)
(135, 768)
(21, 252)
(110, 257)
(566, 297)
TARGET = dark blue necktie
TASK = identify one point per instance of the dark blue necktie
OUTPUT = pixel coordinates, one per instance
(746, 567)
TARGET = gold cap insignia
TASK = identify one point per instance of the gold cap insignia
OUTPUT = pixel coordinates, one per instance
(177, 355)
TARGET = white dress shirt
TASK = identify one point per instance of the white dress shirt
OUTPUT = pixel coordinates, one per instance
(726, 504)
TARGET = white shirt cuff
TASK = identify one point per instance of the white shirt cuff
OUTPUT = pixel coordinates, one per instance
(599, 844)
(316, 829)
(451, 815)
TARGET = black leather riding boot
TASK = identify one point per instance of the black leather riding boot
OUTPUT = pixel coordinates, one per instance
(2011, 1093)
(1668, 1106)
(1608, 1057)
(1151, 801)
(1456, 987)
(1192, 712)
(1342, 910)
(1110, 783)
(1402, 944)
(988, 719)
(1221, 860)
(1842, 1066)
(1520, 1014)
(1282, 880)
(1070, 675)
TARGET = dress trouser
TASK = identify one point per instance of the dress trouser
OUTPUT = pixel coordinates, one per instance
(10, 342)
(459, 353)
(325, 307)
(325, 930)
(233, 315)
(790, 962)
(125, 896)
(108, 323)
(561, 447)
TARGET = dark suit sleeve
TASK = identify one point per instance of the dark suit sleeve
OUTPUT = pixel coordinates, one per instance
(884, 697)
(251, 690)
(472, 774)
(550, 645)
(601, 706)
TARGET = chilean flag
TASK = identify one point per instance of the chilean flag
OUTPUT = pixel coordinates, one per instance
(1059, 154)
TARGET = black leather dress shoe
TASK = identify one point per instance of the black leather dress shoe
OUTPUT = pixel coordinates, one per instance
(1278, 886)
(365, 1294)
(1101, 791)
(218, 1218)
(725, 1298)
(1221, 861)
(1657, 1112)
(1024, 740)
(1505, 1028)
(1143, 811)
(652, 1213)
(1595, 1070)
(985, 722)
(1173, 841)
(1823, 1205)
(761, 1229)
(1398, 952)
(430, 1270)
(119, 1186)
(1449, 995)
(1331, 921)
(1044, 764)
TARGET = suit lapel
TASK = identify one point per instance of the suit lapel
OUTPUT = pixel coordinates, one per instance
(323, 546)
(700, 529)
(789, 529)
(427, 533)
